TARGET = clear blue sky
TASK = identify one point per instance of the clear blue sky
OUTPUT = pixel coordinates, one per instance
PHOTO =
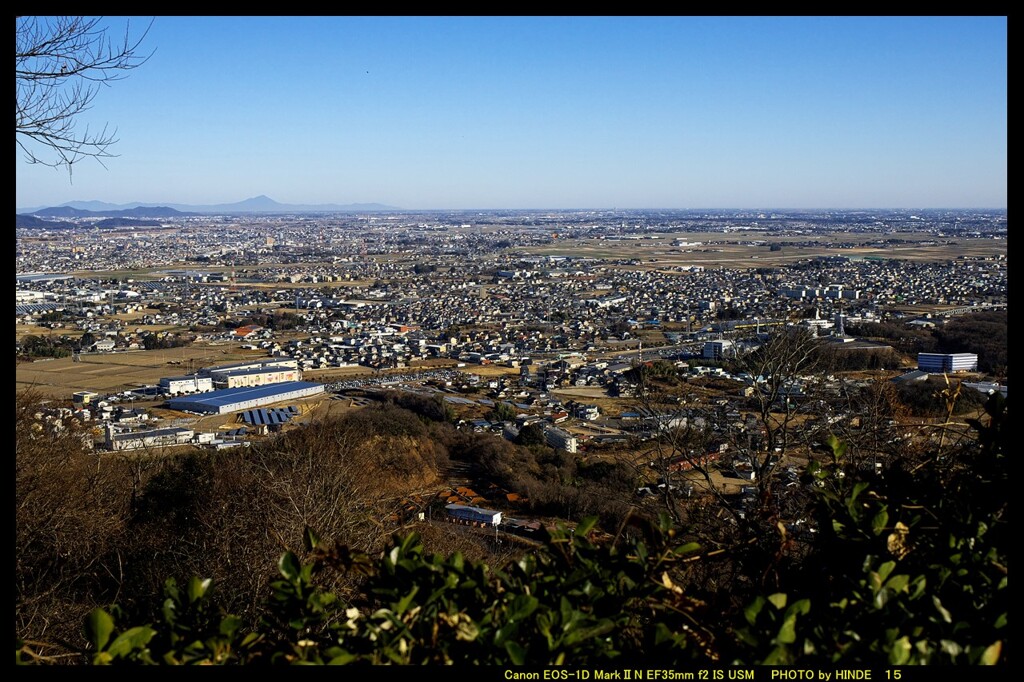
(554, 112)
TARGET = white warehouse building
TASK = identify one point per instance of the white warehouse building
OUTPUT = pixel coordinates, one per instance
(192, 383)
(239, 378)
(234, 399)
(155, 438)
(947, 362)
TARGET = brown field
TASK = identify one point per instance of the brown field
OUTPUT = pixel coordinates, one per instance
(726, 249)
(23, 330)
(108, 372)
(491, 370)
(596, 395)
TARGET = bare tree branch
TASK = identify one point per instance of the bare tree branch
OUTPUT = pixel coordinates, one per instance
(60, 63)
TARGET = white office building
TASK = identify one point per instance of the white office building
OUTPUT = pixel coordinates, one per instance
(716, 350)
(947, 362)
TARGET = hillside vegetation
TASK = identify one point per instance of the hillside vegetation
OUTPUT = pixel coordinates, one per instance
(286, 553)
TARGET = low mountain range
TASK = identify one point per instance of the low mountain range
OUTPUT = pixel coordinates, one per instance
(259, 204)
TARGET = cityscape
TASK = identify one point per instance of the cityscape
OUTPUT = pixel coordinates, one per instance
(511, 318)
(600, 442)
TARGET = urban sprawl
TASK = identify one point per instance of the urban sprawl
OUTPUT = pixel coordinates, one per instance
(256, 319)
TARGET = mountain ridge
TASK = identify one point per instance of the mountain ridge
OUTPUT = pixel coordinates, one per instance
(257, 204)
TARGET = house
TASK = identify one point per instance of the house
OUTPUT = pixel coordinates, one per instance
(247, 332)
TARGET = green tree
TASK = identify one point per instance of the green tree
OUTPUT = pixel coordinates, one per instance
(531, 434)
(910, 568)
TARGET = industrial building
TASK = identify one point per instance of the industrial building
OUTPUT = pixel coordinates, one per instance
(947, 362)
(240, 378)
(192, 383)
(154, 438)
(234, 399)
(473, 515)
(257, 373)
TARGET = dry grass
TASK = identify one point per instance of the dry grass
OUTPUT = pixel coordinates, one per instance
(728, 251)
(108, 372)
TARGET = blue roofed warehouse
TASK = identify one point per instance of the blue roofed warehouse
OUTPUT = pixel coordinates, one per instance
(234, 399)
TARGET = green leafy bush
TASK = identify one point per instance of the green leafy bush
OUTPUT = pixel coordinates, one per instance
(910, 567)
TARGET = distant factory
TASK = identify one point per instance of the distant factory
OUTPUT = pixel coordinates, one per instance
(259, 373)
(244, 398)
(192, 383)
(461, 513)
(947, 362)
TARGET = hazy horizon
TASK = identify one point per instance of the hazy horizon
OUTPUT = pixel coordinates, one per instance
(546, 208)
(516, 113)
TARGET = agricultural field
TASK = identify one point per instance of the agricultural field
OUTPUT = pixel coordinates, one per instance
(752, 249)
(108, 372)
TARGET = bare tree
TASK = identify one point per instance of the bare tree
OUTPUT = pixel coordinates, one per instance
(680, 442)
(71, 508)
(60, 65)
(783, 368)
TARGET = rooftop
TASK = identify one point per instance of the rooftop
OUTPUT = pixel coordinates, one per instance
(235, 395)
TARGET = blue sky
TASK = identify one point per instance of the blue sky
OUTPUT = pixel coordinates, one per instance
(554, 112)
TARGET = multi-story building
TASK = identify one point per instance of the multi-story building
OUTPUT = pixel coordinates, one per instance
(192, 383)
(561, 439)
(947, 362)
(716, 350)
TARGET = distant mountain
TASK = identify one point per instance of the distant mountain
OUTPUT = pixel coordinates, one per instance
(264, 204)
(100, 206)
(62, 212)
(34, 222)
(258, 204)
(30, 221)
(138, 212)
